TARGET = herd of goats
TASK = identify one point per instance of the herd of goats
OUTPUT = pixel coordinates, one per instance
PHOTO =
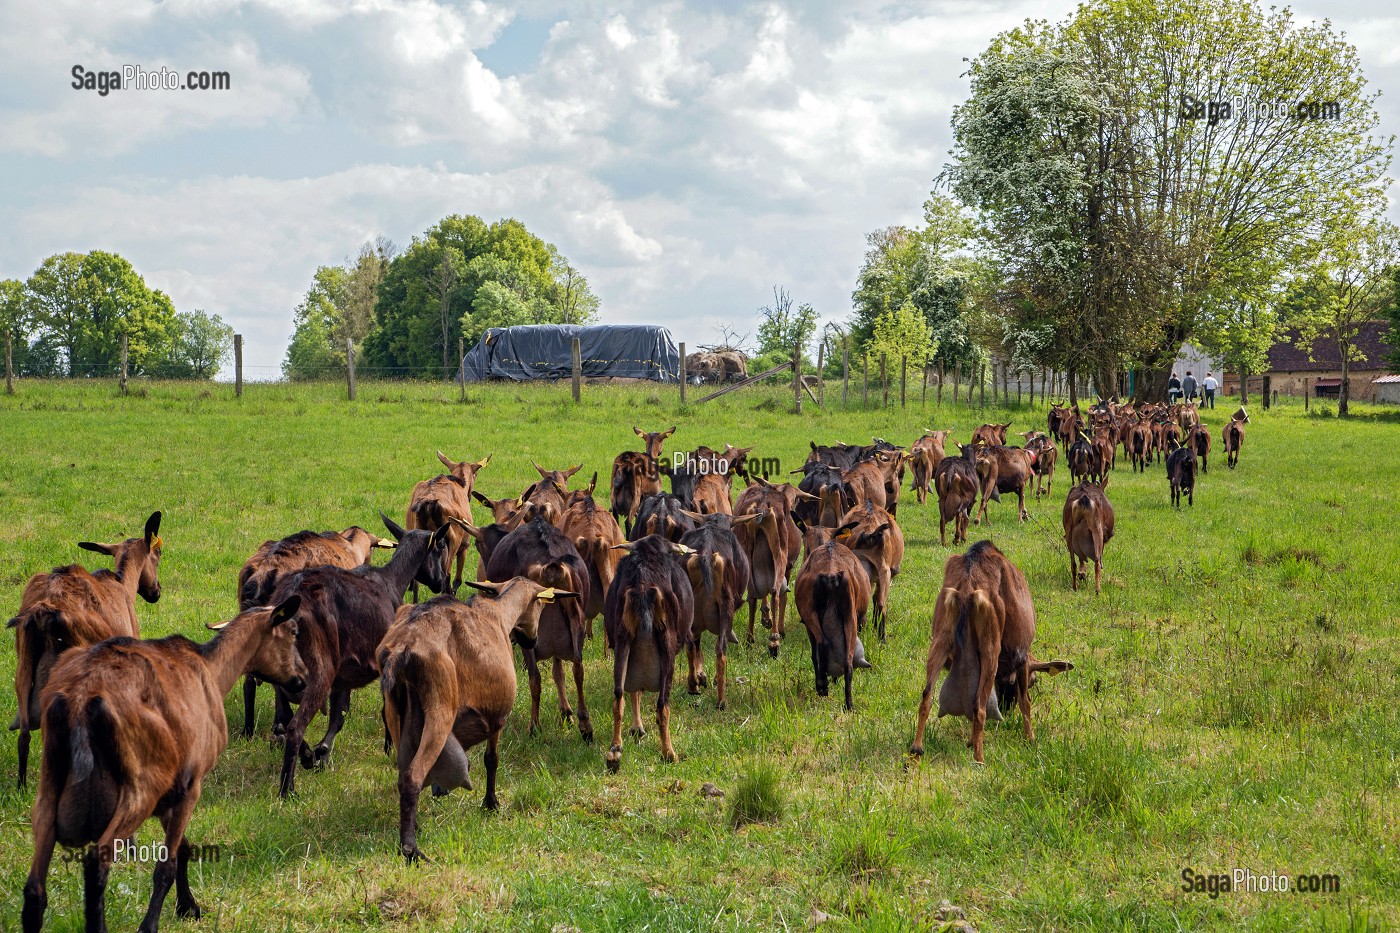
(130, 727)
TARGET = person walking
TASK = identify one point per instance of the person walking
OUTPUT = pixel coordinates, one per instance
(1188, 386)
(1210, 385)
(1173, 389)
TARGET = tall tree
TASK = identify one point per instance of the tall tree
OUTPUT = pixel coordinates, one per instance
(313, 352)
(1391, 313)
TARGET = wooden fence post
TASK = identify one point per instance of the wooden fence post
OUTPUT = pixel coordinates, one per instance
(884, 381)
(9, 362)
(923, 398)
(797, 377)
(350, 367)
(576, 363)
(903, 378)
(865, 379)
(124, 345)
(941, 370)
(683, 373)
(238, 365)
(982, 385)
(1307, 388)
(957, 382)
(994, 383)
(821, 374)
(845, 370)
(462, 363)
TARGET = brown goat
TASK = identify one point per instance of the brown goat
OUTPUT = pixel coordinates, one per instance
(1046, 456)
(435, 502)
(636, 475)
(1198, 439)
(832, 593)
(277, 560)
(1140, 446)
(1015, 470)
(876, 538)
(647, 614)
(1088, 524)
(719, 574)
(927, 452)
(712, 494)
(992, 435)
(1233, 436)
(448, 680)
(865, 480)
(593, 532)
(130, 730)
(956, 480)
(72, 608)
(771, 543)
(983, 626)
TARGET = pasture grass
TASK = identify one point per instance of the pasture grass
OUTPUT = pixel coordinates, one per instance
(1233, 702)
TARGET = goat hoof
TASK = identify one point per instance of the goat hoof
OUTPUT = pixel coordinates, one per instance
(693, 689)
(491, 803)
(586, 735)
(614, 759)
(189, 911)
(320, 756)
(721, 705)
(567, 715)
(637, 732)
(916, 751)
(772, 650)
(413, 856)
(704, 680)
(670, 757)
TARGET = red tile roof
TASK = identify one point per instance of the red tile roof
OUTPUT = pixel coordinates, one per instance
(1285, 356)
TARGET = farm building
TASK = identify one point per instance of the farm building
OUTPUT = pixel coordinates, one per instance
(1292, 372)
(544, 351)
(1387, 389)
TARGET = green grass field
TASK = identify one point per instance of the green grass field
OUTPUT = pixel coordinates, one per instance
(1233, 702)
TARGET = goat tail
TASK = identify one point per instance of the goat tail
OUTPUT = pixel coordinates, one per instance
(832, 592)
(395, 678)
(639, 610)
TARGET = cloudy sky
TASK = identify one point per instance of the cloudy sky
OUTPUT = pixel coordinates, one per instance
(685, 156)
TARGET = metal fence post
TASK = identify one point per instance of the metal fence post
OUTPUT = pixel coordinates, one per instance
(576, 362)
(683, 374)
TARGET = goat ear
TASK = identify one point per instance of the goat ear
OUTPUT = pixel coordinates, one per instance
(447, 461)
(438, 534)
(287, 609)
(628, 546)
(480, 498)
(743, 519)
(153, 529)
(678, 548)
(666, 434)
(539, 469)
(806, 495)
(593, 483)
(109, 549)
(572, 470)
(493, 589)
(483, 461)
(695, 516)
(394, 527)
(638, 431)
(384, 543)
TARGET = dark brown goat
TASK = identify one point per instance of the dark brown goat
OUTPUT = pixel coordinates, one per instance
(277, 560)
(543, 553)
(983, 626)
(647, 614)
(1181, 473)
(72, 608)
(130, 730)
(593, 532)
(832, 592)
(926, 453)
(956, 481)
(435, 502)
(1083, 462)
(830, 502)
(1233, 436)
(719, 575)
(448, 680)
(1015, 470)
(771, 543)
(636, 475)
(344, 615)
(1046, 456)
(661, 514)
(1105, 452)
(1088, 524)
(1140, 446)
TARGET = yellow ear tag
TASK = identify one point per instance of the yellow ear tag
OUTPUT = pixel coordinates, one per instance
(156, 543)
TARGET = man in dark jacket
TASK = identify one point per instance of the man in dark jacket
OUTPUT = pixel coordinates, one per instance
(1188, 387)
(1173, 389)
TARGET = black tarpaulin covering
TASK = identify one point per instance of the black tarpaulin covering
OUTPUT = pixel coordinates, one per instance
(543, 351)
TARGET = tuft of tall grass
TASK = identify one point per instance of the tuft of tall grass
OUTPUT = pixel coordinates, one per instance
(758, 797)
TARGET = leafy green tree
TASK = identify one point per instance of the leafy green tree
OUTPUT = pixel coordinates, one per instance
(313, 352)
(201, 345)
(15, 318)
(902, 333)
(1391, 313)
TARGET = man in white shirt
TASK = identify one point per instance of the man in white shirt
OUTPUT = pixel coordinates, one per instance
(1210, 385)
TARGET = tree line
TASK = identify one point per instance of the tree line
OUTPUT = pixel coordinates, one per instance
(404, 311)
(1090, 224)
(69, 317)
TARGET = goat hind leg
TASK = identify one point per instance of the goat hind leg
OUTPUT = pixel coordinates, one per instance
(566, 712)
(340, 705)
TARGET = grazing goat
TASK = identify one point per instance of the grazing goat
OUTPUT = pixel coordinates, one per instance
(435, 502)
(993, 435)
(647, 614)
(927, 453)
(72, 608)
(1088, 524)
(841, 456)
(344, 615)
(543, 553)
(832, 592)
(719, 574)
(771, 542)
(876, 538)
(130, 730)
(1198, 439)
(277, 560)
(1140, 446)
(1181, 473)
(983, 626)
(448, 680)
(1014, 471)
(1233, 436)
(956, 480)
(866, 480)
